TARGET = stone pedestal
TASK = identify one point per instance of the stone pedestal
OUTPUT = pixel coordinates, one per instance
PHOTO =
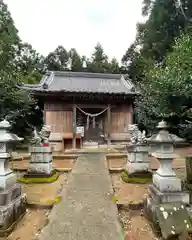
(166, 186)
(12, 202)
(138, 160)
(12, 207)
(41, 161)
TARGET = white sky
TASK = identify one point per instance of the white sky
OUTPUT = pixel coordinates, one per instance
(79, 24)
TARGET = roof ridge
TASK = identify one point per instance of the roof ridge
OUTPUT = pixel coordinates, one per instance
(87, 74)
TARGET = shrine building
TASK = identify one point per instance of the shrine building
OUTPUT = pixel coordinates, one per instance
(85, 107)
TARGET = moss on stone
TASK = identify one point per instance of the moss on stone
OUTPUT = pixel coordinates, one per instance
(53, 201)
(114, 198)
(49, 179)
(46, 203)
(135, 179)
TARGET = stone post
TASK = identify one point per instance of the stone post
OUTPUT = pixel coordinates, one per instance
(12, 202)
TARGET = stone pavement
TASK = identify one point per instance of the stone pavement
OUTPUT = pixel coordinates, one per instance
(87, 211)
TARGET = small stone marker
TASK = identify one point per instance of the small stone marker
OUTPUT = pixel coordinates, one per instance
(12, 202)
(173, 219)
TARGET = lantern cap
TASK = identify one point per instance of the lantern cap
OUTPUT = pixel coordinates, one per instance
(5, 135)
(163, 136)
(162, 125)
(4, 124)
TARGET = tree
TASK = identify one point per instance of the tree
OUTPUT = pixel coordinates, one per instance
(156, 36)
(76, 61)
(15, 104)
(57, 60)
(9, 39)
(99, 61)
(18, 106)
(167, 89)
(114, 66)
(30, 64)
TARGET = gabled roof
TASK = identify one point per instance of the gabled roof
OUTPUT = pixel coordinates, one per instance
(83, 82)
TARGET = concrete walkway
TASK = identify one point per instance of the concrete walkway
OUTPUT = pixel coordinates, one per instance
(87, 211)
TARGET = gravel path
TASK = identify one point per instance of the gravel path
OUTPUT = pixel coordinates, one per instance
(87, 211)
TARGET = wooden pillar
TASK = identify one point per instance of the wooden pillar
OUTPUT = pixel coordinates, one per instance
(44, 114)
(74, 126)
(131, 114)
(109, 124)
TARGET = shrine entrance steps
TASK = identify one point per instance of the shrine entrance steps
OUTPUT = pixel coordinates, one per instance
(87, 210)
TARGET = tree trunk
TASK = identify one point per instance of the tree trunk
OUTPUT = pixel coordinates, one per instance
(189, 169)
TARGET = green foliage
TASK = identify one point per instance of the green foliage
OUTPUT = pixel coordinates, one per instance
(47, 203)
(99, 61)
(19, 62)
(167, 90)
(57, 60)
(135, 179)
(114, 66)
(30, 64)
(159, 63)
(16, 105)
(9, 39)
(76, 61)
(155, 37)
(114, 198)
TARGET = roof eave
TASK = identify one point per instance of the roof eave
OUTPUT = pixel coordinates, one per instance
(40, 91)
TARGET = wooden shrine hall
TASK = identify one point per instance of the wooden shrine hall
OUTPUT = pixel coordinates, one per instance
(85, 107)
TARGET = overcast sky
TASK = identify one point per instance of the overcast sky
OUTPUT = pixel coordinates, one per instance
(77, 24)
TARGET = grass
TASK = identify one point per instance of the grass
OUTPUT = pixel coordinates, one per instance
(135, 179)
(47, 203)
(50, 179)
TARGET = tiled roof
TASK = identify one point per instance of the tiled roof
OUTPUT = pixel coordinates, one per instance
(82, 82)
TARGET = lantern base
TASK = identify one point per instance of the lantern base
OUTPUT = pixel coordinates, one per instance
(7, 179)
(167, 183)
(40, 168)
(158, 197)
(12, 207)
(133, 167)
(169, 219)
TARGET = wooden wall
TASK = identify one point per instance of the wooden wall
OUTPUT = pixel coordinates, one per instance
(121, 117)
(58, 117)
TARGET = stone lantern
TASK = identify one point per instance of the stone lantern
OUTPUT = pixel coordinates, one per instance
(166, 186)
(12, 203)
